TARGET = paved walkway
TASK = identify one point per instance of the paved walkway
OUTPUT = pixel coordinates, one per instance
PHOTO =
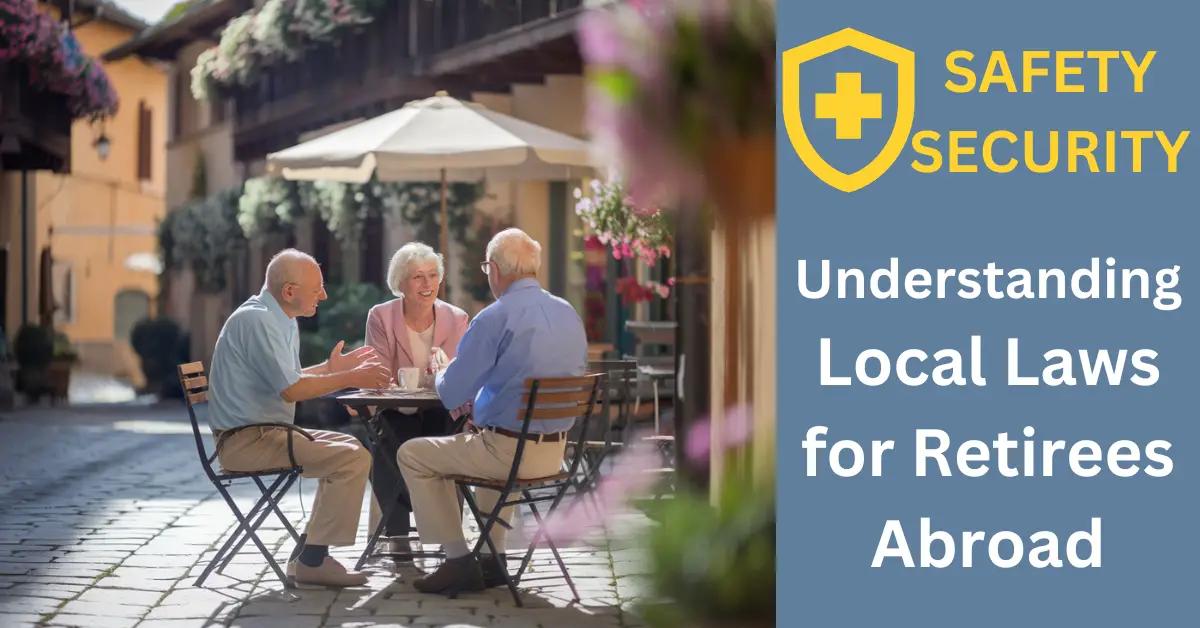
(106, 520)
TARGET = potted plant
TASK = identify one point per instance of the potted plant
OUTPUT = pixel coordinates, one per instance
(58, 373)
(715, 563)
(711, 557)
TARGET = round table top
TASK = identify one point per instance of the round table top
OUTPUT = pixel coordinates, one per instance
(391, 399)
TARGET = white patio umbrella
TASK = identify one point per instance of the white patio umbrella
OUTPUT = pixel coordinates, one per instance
(437, 139)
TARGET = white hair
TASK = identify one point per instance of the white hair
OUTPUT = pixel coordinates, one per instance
(400, 268)
(515, 253)
(284, 268)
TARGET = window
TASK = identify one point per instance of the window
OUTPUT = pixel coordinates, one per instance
(62, 285)
(144, 141)
(129, 307)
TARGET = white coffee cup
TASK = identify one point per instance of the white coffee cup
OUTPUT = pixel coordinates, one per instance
(408, 378)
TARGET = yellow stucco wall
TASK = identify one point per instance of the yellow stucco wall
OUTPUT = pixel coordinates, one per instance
(101, 214)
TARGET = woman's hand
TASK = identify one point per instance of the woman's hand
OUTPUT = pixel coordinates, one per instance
(437, 359)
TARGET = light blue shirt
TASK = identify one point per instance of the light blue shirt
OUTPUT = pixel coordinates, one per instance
(257, 357)
(527, 332)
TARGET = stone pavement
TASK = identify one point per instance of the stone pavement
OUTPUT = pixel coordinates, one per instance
(106, 519)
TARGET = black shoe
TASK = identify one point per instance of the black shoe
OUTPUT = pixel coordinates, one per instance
(453, 577)
(493, 570)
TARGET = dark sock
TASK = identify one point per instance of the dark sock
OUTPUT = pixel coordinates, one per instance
(314, 555)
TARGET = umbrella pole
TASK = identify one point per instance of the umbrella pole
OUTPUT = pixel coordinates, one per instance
(444, 243)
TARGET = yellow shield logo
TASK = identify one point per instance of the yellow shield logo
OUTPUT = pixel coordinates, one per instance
(848, 106)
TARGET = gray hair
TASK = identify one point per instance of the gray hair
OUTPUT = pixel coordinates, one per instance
(284, 268)
(515, 253)
(400, 268)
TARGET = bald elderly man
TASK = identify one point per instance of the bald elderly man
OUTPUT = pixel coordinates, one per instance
(526, 332)
(256, 377)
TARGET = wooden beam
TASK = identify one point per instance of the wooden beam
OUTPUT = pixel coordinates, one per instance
(502, 44)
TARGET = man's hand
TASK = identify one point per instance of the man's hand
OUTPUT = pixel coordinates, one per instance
(369, 374)
(339, 361)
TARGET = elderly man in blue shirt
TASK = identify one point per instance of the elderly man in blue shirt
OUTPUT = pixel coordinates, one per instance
(256, 379)
(526, 332)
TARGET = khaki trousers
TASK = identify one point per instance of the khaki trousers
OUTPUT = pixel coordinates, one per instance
(425, 463)
(337, 460)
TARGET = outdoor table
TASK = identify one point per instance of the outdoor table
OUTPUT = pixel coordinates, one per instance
(369, 405)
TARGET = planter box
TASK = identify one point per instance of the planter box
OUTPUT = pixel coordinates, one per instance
(58, 379)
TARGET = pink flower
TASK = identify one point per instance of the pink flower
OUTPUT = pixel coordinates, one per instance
(629, 479)
(736, 430)
(599, 40)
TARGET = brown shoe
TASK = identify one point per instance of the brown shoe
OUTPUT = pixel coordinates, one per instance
(453, 577)
(331, 573)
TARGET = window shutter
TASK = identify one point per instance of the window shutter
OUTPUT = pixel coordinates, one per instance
(144, 141)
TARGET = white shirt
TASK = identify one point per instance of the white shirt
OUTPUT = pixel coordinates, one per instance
(420, 342)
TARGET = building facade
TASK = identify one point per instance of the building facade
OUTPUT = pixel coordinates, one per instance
(517, 57)
(98, 213)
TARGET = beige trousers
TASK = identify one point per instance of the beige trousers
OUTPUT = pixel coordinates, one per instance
(337, 460)
(425, 463)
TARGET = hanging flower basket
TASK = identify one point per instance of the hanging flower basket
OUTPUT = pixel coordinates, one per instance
(679, 89)
(632, 234)
(279, 31)
(53, 59)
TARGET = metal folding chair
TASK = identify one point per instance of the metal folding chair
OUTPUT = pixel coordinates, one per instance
(612, 429)
(545, 399)
(195, 388)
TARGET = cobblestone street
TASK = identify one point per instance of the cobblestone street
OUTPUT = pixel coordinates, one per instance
(106, 519)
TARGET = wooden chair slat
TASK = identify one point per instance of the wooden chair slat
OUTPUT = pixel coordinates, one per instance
(191, 368)
(199, 397)
(570, 396)
(556, 383)
(192, 384)
(545, 414)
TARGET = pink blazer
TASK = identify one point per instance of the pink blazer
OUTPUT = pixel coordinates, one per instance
(387, 332)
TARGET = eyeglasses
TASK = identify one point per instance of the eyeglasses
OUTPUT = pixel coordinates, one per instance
(485, 266)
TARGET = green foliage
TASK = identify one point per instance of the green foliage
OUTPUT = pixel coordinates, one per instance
(419, 204)
(277, 30)
(483, 227)
(345, 207)
(205, 236)
(343, 316)
(269, 205)
(34, 347)
(63, 349)
(715, 563)
(161, 345)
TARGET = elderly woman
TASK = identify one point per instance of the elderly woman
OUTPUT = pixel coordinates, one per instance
(416, 329)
